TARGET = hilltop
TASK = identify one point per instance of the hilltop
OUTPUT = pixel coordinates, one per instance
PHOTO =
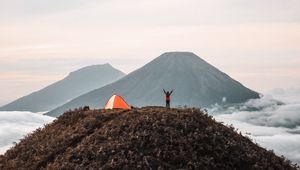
(150, 137)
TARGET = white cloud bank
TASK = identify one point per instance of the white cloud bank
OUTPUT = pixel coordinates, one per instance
(272, 121)
(15, 125)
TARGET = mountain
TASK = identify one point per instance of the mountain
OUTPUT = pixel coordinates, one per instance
(146, 138)
(195, 83)
(72, 86)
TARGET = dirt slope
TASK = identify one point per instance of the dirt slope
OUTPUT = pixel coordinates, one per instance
(145, 138)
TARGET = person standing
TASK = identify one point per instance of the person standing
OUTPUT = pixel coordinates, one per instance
(168, 97)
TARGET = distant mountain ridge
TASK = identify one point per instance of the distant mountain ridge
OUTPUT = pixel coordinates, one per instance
(195, 83)
(75, 84)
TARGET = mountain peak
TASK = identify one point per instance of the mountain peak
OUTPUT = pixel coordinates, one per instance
(195, 82)
(106, 65)
(178, 60)
(178, 55)
(92, 68)
(75, 84)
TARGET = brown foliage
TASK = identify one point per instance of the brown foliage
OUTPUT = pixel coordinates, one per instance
(146, 138)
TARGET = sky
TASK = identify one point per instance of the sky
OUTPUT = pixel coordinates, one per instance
(256, 42)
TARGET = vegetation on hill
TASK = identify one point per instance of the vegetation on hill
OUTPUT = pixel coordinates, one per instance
(146, 138)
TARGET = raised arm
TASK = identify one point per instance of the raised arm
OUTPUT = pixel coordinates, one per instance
(164, 91)
(171, 92)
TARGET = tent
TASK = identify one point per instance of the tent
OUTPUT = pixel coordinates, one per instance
(116, 102)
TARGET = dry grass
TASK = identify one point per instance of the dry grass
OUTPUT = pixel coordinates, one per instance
(146, 138)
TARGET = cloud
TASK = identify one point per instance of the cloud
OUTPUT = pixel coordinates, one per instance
(27, 8)
(15, 125)
(272, 121)
(283, 144)
(266, 111)
(167, 12)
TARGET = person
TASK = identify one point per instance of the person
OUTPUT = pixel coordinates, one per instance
(168, 97)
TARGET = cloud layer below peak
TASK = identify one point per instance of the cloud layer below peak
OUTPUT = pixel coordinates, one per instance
(272, 121)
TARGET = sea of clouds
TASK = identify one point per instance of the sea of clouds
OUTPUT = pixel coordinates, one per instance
(15, 125)
(273, 121)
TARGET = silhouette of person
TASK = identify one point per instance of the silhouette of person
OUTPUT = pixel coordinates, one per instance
(168, 97)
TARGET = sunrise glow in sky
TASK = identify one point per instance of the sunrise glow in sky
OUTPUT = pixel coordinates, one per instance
(256, 42)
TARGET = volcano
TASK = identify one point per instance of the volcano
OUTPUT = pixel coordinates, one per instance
(196, 83)
(75, 84)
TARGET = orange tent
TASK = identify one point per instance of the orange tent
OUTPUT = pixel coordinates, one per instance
(116, 102)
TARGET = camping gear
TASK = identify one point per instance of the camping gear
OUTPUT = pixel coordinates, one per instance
(116, 102)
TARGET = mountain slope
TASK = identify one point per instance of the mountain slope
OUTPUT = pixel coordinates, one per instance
(147, 138)
(195, 83)
(74, 85)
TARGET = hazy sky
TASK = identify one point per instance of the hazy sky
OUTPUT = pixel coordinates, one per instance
(254, 41)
